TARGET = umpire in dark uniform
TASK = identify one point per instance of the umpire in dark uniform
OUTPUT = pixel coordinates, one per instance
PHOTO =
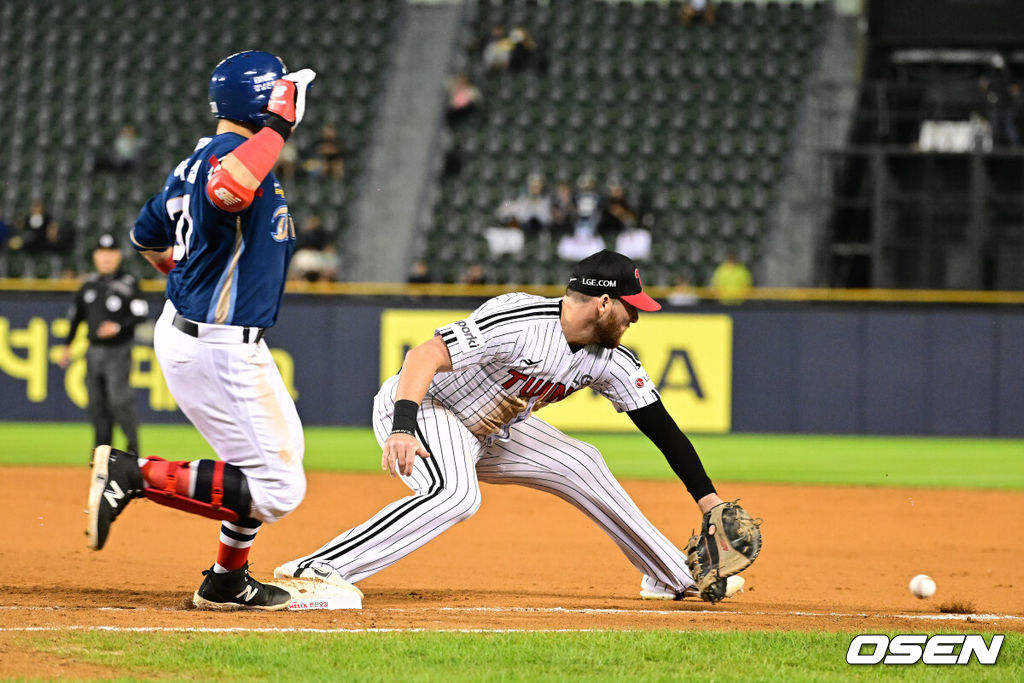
(111, 304)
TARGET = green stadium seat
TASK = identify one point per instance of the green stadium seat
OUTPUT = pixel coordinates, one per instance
(80, 71)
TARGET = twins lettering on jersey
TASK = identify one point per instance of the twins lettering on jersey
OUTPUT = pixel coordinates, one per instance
(546, 391)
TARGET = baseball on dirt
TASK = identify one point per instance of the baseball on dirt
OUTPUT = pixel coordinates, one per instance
(922, 586)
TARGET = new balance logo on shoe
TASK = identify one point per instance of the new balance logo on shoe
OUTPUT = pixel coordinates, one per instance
(116, 479)
(113, 494)
(248, 593)
(235, 590)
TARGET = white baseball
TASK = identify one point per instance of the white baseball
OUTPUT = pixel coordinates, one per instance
(922, 586)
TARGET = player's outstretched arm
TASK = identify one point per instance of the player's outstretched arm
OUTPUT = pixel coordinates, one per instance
(418, 370)
(658, 426)
(233, 183)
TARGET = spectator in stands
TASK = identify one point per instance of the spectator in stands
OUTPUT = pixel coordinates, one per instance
(474, 275)
(530, 211)
(464, 99)
(697, 10)
(635, 240)
(563, 209)
(682, 293)
(329, 159)
(498, 51)
(617, 214)
(315, 259)
(1000, 94)
(33, 232)
(419, 274)
(524, 53)
(313, 234)
(588, 204)
(128, 150)
(731, 280)
(58, 238)
(584, 239)
(126, 153)
(579, 245)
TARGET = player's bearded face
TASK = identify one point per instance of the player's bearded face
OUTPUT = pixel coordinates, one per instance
(614, 324)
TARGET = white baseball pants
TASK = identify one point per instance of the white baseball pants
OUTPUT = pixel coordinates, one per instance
(234, 395)
(446, 491)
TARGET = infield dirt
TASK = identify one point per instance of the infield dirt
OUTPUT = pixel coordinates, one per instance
(834, 558)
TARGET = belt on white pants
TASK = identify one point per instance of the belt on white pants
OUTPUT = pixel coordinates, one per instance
(218, 333)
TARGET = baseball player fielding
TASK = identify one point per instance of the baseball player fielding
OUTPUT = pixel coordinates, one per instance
(462, 410)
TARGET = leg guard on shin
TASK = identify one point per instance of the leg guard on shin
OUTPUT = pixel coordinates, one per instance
(210, 488)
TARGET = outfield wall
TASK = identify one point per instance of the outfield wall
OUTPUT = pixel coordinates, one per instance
(820, 368)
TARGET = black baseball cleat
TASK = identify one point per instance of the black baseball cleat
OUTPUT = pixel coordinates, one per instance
(116, 479)
(236, 590)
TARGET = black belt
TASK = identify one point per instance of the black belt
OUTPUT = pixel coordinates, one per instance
(192, 329)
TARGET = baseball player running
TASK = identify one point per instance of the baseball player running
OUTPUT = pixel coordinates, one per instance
(222, 233)
(464, 402)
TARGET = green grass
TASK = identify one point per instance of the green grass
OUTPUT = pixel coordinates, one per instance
(591, 656)
(851, 460)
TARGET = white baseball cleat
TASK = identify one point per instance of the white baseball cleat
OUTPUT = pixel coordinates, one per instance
(314, 571)
(651, 589)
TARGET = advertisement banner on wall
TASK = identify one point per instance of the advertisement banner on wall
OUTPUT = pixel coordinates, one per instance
(35, 386)
(688, 356)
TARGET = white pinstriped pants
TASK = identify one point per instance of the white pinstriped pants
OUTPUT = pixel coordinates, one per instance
(446, 491)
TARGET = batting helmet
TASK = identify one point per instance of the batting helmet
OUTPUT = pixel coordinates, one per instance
(240, 85)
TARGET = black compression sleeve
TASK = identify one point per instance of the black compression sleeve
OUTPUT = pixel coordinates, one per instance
(658, 426)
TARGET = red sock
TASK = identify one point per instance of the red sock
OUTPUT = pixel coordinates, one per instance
(235, 540)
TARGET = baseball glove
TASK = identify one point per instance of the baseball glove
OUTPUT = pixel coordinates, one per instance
(728, 543)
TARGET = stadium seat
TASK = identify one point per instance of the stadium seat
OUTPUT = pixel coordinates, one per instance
(78, 72)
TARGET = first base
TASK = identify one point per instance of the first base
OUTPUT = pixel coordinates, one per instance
(314, 594)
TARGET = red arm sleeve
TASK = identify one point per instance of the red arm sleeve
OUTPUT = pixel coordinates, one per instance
(233, 183)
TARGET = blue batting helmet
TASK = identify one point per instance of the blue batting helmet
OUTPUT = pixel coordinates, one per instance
(240, 85)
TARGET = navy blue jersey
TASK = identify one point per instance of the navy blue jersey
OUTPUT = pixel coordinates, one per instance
(231, 267)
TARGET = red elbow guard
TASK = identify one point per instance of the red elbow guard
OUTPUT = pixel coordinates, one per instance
(226, 193)
(167, 266)
(257, 156)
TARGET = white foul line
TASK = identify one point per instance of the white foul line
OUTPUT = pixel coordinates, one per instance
(285, 629)
(541, 610)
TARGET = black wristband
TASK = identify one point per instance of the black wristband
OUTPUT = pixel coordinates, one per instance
(278, 125)
(405, 417)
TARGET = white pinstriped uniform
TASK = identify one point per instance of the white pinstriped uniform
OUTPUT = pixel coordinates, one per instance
(509, 359)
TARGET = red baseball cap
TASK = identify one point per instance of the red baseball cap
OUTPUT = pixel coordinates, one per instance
(611, 273)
